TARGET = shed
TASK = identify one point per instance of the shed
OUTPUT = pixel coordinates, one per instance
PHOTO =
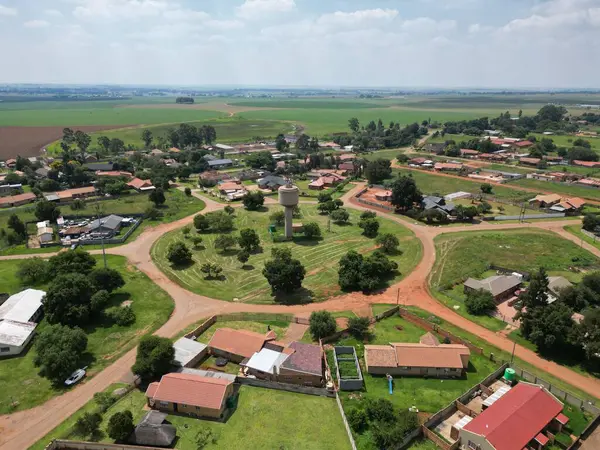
(188, 352)
(151, 431)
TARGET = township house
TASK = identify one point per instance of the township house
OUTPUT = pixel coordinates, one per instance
(501, 287)
(524, 417)
(439, 203)
(427, 358)
(141, 185)
(17, 200)
(468, 153)
(590, 164)
(18, 319)
(326, 180)
(447, 167)
(71, 194)
(262, 357)
(545, 201)
(530, 161)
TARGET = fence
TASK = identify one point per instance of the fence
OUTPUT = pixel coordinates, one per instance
(433, 327)
(322, 392)
(81, 445)
(196, 332)
(377, 205)
(441, 443)
(525, 217)
(348, 384)
(348, 430)
(585, 434)
(589, 234)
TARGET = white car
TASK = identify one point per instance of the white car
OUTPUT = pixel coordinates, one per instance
(75, 377)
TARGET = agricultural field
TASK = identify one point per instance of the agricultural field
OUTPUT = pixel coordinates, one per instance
(319, 257)
(152, 306)
(251, 424)
(572, 190)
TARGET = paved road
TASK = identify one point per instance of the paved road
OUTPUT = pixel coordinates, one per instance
(20, 430)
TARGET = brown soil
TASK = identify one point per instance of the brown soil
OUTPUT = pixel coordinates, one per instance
(28, 141)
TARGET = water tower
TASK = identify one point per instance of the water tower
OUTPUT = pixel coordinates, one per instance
(289, 196)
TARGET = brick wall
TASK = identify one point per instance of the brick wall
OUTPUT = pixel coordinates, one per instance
(202, 327)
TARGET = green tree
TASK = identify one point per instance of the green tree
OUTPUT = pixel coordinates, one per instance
(321, 324)
(154, 357)
(104, 143)
(324, 197)
(368, 215)
(152, 213)
(243, 257)
(106, 279)
(378, 170)
(33, 271)
(354, 124)
(77, 205)
(88, 424)
(201, 222)
(17, 225)
(486, 188)
(312, 230)
(188, 192)
(370, 227)
(277, 218)
(340, 216)
(77, 260)
(229, 210)
(68, 299)
(196, 241)
(186, 232)
(283, 273)
(179, 254)
(364, 273)
(357, 419)
(121, 315)
(480, 302)
(220, 221)
(358, 327)
(147, 138)
(157, 196)
(120, 425)
(405, 193)
(388, 243)
(253, 200)
(211, 270)
(224, 242)
(58, 351)
(45, 210)
(99, 300)
(249, 240)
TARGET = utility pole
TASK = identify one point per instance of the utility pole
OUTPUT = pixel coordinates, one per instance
(398, 297)
(98, 211)
(512, 357)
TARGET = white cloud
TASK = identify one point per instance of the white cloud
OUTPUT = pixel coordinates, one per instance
(6, 11)
(557, 15)
(258, 9)
(428, 25)
(185, 14)
(36, 23)
(357, 18)
(224, 24)
(53, 13)
(120, 9)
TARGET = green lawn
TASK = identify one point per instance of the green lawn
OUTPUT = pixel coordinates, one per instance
(313, 194)
(320, 258)
(152, 306)
(576, 230)
(559, 188)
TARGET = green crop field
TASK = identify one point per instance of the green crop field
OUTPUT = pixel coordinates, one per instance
(320, 258)
(106, 342)
(559, 188)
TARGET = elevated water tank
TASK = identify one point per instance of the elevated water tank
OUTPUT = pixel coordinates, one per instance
(289, 195)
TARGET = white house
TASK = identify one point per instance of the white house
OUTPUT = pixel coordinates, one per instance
(45, 234)
(18, 318)
(14, 336)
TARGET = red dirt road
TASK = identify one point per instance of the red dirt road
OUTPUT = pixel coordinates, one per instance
(20, 430)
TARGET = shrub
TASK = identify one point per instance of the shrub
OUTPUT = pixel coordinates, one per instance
(178, 254)
(321, 324)
(104, 400)
(368, 215)
(120, 425)
(370, 227)
(33, 271)
(358, 326)
(88, 424)
(224, 242)
(154, 356)
(152, 212)
(278, 218)
(312, 230)
(388, 243)
(340, 216)
(201, 223)
(253, 201)
(229, 210)
(357, 419)
(480, 302)
(188, 191)
(121, 315)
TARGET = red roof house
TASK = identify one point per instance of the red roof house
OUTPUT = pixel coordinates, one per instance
(520, 416)
(591, 164)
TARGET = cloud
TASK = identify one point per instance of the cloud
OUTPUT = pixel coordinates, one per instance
(357, 18)
(185, 14)
(258, 9)
(53, 13)
(120, 9)
(558, 16)
(36, 24)
(6, 11)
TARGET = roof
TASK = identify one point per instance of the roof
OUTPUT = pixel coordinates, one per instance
(186, 350)
(523, 144)
(219, 162)
(449, 166)
(307, 358)
(22, 306)
(151, 431)
(347, 157)
(17, 198)
(447, 356)
(578, 162)
(516, 418)
(102, 166)
(467, 151)
(113, 173)
(557, 283)
(432, 202)
(497, 395)
(429, 339)
(138, 183)
(230, 186)
(272, 179)
(45, 230)
(267, 361)
(573, 202)
(223, 147)
(346, 166)
(550, 198)
(238, 342)
(530, 160)
(111, 222)
(77, 191)
(15, 333)
(52, 197)
(380, 356)
(496, 284)
(191, 390)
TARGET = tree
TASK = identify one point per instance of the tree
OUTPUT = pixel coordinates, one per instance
(58, 351)
(283, 273)
(104, 142)
(147, 138)
(219, 221)
(357, 419)
(229, 210)
(582, 154)
(154, 357)
(186, 232)
(321, 324)
(354, 124)
(123, 316)
(45, 210)
(253, 201)
(368, 215)
(68, 299)
(378, 170)
(196, 241)
(120, 425)
(249, 240)
(99, 300)
(77, 205)
(486, 188)
(340, 216)
(370, 227)
(188, 192)
(17, 225)
(549, 327)
(364, 273)
(82, 140)
(157, 196)
(327, 207)
(224, 242)
(312, 230)
(201, 222)
(324, 197)
(261, 160)
(405, 193)
(77, 260)
(106, 279)
(178, 254)
(278, 218)
(33, 271)
(588, 333)
(388, 243)
(480, 302)
(88, 424)
(243, 257)
(302, 142)
(358, 326)
(211, 270)
(152, 212)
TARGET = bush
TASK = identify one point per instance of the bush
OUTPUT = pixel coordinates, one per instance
(380, 410)
(154, 357)
(243, 257)
(211, 270)
(388, 243)
(99, 300)
(357, 419)
(178, 254)
(224, 242)
(277, 218)
(480, 302)
(358, 327)
(104, 400)
(186, 231)
(340, 216)
(219, 221)
(229, 210)
(253, 201)
(77, 205)
(196, 241)
(321, 324)
(121, 315)
(368, 215)
(33, 271)
(201, 223)
(312, 230)
(324, 197)
(88, 424)
(120, 425)
(152, 213)
(370, 227)
(188, 191)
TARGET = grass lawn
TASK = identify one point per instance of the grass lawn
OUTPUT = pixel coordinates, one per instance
(463, 255)
(320, 258)
(423, 444)
(305, 192)
(152, 306)
(576, 230)
(558, 188)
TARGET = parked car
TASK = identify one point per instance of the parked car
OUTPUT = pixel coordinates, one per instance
(75, 377)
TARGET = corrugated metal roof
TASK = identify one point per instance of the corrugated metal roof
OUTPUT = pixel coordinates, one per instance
(22, 307)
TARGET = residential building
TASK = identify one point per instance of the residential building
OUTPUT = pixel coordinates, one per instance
(500, 286)
(271, 182)
(437, 148)
(220, 163)
(427, 358)
(590, 164)
(45, 234)
(468, 153)
(115, 174)
(11, 189)
(214, 176)
(19, 315)
(99, 166)
(433, 202)
(304, 366)
(266, 363)
(17, 200)
(347, 157)
(156, 152)
(226, 148)
(530, 161)
(153, 432)
(493, 156)
(42, 172)
(384, 196)
(417, 161)
(236, 345)
(520, 419)
(590, 182)
(545, 201)
(107, 225)
(189, 394)
(347, 167)
(188, 352)
(570, 206)
(544, 176)
(326, 181)
(450, 167)
(521, 144)
(141, 185)
(555, 285)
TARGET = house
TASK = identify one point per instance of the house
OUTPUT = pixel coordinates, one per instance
(236, 345)
(157, 152)
(541, 176)
(70, 194)
(521, 144)
(347, 157)
(468, 153)
(220, 163)
(304, 366)
(99, 166)
(213, 176)
(530, 161)
(347, 167)
(590, 164)
(8, 189)
(188, 352)
(422, 359)
(555, 285)
(114, 174)
(45, 234)
(545, 201)
(19, 315)
(223, 147)
(571, 205)
(141, 185)
(500, 286)
(42, 172)
(383, 196)
(520, 419)
(153, 432)
(266, 363)
(417, 161)
(194, 395)
(591, 182)
(17, 200)
(433, 202)
(451, 167)
(493, 156)
(107, 225)
(11, 163)
(271, 182)
(326, 181)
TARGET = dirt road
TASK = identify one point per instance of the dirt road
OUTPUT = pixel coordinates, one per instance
(22, 429)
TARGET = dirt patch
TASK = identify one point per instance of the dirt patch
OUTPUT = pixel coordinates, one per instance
(126, 303)
(28, 141)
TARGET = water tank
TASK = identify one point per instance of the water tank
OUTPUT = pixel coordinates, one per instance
(510, 375)
(289, 195)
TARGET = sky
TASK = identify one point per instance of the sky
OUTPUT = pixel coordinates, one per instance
(370, 43)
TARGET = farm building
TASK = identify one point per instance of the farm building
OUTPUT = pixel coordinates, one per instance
(500, 286)
(190, 394)
(447, 167)
(468, 153)
(530, 161)
(18, 317)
